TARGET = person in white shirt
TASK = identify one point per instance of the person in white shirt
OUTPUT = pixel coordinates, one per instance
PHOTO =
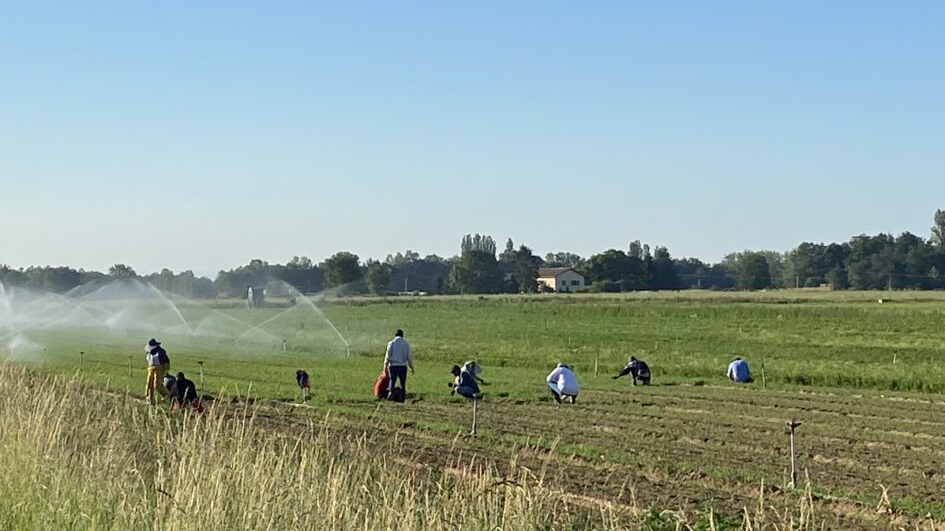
(563, 383)
(396, 361)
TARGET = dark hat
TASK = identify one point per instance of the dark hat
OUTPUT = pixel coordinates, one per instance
(153, 342)
(399, 333)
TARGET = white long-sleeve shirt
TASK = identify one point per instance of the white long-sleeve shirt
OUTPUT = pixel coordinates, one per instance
(398, 353)
(564, 380)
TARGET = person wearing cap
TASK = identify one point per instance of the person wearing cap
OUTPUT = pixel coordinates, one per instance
(738, 371)
(464, 383)
(158, 364)
(396, 361)
(637, 369)
(563, 383)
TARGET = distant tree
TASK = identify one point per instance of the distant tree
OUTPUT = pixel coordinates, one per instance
(662, 271)
(90, 276)
(484, 244)
(12, 277)
(342, 268)
(476, 270)
(378, 277)
(121, 271)
(938, 229)
(525, 271)
(752, 271)
(615, 266)
(54, 279)
(564, 259)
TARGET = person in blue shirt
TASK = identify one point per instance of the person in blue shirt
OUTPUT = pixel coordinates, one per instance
(738, 371)
(464, 383)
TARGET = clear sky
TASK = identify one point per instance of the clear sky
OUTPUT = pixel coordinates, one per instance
(202, 134)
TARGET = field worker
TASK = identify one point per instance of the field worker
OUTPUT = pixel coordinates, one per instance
(738, 371)
(474, 369)
(396, 361)
(563, 383)
(158, 363)
(170, 383)
(464, 383)
(638, 369)
(301, 378)
(187, 393)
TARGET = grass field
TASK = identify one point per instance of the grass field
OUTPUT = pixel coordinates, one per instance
(863, 377)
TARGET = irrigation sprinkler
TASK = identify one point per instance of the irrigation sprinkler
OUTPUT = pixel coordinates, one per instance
(792, 426)
(284, 345)
(764, 382)
(81, 357)
(201, 375)
(348, 347)
(596, 364)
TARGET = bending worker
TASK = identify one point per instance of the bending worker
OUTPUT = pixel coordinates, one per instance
(464, 383)
(637, 369)
(738, 371)
(563, 383)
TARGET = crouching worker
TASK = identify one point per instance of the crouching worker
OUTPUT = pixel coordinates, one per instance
(637, 369)
(464, 383)
(187, 394)
(474, 369)
(563, 383)
(170, 383)
(738, 371)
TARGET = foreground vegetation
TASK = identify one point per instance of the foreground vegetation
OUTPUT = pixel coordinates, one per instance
(74, 459)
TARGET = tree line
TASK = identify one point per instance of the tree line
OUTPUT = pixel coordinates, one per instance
(881, 261)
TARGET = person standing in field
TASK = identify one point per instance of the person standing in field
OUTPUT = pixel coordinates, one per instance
(638, 369)
(158, 364)
(738, 371)
(396, 361)
(563, 383)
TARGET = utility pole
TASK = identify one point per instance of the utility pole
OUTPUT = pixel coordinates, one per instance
(406, 276)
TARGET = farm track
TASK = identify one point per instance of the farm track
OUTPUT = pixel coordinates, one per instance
(685, 447)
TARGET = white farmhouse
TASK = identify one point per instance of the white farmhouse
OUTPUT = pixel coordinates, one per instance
(561, 279)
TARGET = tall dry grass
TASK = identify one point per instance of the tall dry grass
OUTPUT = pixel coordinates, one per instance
(80, 459)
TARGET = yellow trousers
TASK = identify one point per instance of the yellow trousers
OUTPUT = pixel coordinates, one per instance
(156, 381)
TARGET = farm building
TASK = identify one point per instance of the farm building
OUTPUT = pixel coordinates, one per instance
(561, 279)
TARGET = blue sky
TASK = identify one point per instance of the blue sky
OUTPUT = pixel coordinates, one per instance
(200, 135)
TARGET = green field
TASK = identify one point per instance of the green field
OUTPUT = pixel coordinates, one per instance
(863, 377)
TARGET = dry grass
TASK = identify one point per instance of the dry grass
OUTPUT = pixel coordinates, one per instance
(81, 459)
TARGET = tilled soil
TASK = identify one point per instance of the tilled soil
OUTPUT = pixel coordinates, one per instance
(871, 462)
